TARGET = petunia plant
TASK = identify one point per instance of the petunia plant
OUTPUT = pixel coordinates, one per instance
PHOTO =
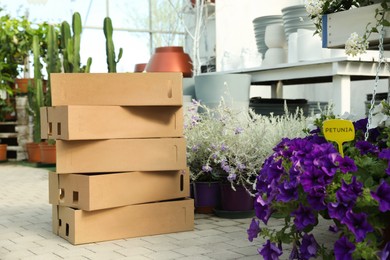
(306, 180)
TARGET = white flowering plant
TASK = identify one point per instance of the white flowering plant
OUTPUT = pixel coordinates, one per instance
(227, 145)
(356, 44)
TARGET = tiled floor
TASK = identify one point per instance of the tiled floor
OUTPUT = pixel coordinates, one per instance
(25, 229)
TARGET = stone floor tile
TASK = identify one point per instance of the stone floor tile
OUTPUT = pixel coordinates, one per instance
(224, 255)
(135, 251)
(165, 255)
(246, 251)
(229, 229)
(192, 251)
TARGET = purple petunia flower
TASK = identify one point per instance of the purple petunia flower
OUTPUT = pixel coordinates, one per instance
(316, 198)
(253, 229)
(294, 253)
(232, 177)
(385, 154)
(348, 193)
(270, 251)
(309, 246)
(288, 190)
(346, 164)
(385, 253)
(343, 249)
(262, 209)
(366, 147)
(337, 210)
(382, 195)
(303, 217)
(334, 229)
(312, 178)
(357, 223)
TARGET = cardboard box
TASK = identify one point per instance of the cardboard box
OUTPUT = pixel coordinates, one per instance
(121, 155)
(108, 122)
(123, 89)
(79, 227)
(102, 191)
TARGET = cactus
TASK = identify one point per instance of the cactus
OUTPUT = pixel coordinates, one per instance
(110, 48)
(37, 100)
(70, 46)
(52, 60)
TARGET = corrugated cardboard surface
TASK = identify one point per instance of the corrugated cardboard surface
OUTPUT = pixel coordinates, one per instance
(123, 89)
(121, 155)
(79, 227)
(109, 122)
(102, 191)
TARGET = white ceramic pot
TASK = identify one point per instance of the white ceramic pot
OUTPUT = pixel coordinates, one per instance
(274, 36)
(274, 56)
(233, 88)
(309, 45)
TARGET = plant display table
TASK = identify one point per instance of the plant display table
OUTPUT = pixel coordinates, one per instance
(339, 71)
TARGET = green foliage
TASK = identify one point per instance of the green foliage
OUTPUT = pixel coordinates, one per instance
(110, 48)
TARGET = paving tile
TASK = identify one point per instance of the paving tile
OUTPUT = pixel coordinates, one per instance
(163, 238)
(229, 229)
(135, 251)
(162, 246)
(165, 255)
(224, 255)
(132, 242)
(192, 251)
(246, 251)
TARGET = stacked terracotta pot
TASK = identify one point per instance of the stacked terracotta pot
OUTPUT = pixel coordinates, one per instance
(121, 156)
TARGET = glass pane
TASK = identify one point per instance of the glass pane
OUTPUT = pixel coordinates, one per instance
(165, 15)
(130, 14)
(168, 39)
(136, 49)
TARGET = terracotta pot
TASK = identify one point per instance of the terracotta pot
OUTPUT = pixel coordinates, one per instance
(140, 67)
(21, 85)
(193, 2)
(48, 153)
(33, 152)
(3, 152)
(170, 59)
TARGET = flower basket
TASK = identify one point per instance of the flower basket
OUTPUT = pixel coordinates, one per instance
(337, 27)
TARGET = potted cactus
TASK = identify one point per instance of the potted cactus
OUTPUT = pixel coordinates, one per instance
(36, 101)
(110, 48)
(70, 46)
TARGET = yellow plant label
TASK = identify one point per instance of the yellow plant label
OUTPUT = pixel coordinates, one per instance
(339, 131)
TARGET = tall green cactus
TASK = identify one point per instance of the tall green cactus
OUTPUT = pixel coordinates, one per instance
(70, 46)
(110, 48)
(37, 98)
(53, 62)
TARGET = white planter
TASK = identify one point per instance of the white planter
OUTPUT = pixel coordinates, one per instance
(233, 88)
(337, 27)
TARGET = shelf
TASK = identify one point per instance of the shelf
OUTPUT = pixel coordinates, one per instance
(8, 135)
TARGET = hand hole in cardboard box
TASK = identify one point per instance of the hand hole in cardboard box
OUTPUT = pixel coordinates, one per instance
(62, 194)
(67, 230)
(75, 196)
(58, 128)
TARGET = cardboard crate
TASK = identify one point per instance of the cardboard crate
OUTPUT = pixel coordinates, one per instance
(80, 227)
(102, 191)
(108, 122)
(123, 89)
(121, 155)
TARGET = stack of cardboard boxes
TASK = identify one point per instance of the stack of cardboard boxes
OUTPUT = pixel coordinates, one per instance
(121, 156)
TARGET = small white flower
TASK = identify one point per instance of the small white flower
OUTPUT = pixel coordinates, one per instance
(356, 45)
(314, 7)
